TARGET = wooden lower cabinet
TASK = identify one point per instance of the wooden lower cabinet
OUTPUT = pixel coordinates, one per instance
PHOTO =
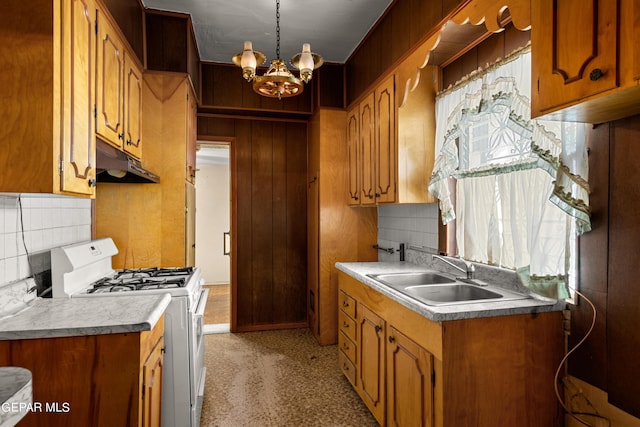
(93, 380)
(410, 377)
(481, 372)
(370, 357)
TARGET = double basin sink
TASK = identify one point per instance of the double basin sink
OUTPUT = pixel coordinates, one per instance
(432, 288)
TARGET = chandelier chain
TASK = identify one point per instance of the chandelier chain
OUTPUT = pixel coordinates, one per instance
(278, 29)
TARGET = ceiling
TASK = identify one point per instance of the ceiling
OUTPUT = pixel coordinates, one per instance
(334, 28)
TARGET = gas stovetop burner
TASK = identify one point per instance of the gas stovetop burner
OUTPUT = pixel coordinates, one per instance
(142, 279)
(154, 272)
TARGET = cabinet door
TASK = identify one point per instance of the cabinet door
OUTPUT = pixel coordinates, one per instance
(353, 153)
(385, 142)
(370, 350)
(367, 144)
(109, 91)
(132, 107)
(409, 382)
(77, 148)
(152, 386)
(574, 51)
(192, 136)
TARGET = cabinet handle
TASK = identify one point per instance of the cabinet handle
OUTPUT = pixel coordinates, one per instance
(345, 367)
(92, 182)
(595, 74)
(345, 304)
(391, 338)
(345, 325)
(345, 346)
(378, 195)
(128, 142)
(378, 328)
(121, 136)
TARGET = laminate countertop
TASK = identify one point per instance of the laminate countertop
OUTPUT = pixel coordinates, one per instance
(463, 310)
(16, 394)
(57, 317)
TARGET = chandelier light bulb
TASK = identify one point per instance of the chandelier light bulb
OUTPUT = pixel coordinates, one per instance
(306, 64)
(248, 62)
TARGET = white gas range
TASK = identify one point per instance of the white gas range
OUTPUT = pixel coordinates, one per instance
(84, 270)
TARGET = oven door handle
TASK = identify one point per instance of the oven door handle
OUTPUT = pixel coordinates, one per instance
(202, 302)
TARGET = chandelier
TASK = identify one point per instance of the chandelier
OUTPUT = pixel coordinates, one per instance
(277, 81)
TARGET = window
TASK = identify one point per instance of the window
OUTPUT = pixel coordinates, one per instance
(520, 195)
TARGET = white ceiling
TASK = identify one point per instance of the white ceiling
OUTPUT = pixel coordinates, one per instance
(333, 27)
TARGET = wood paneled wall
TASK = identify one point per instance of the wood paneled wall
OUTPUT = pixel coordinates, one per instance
(490, 50)
(128, 14)
(608, 273)
(404, 25)
(171, 45)
(269, 227)
(224, 90)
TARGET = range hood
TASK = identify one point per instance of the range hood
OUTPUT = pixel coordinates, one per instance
(112, 165)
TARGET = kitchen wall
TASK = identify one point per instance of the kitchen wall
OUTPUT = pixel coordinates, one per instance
(411, 224)
(212, 220)
(38, 223)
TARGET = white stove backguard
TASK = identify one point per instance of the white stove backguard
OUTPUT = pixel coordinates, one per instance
(75, 266)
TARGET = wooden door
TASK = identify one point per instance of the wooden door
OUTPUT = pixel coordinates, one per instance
(109, 91)
(132, 107)
(370, 350)
(152, 369)
(367, 147)
(77, 148)
(353, 152)
(270, 239)
(409, 382)
(385, 143)
(574, 51)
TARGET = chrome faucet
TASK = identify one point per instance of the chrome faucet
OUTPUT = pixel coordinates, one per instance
(470, 268)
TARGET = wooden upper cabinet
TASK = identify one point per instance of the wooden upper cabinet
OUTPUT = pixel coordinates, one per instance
(583, 54)
(109, 80)
(385, 142)
(48, 90)
(132, 104)
(367, 149)
(118, 91)
(78, 134)
(391, 146)
(353, 154)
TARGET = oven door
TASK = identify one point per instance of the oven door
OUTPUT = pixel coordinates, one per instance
(198, 371)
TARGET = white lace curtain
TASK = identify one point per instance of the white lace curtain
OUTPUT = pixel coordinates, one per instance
(521, 192)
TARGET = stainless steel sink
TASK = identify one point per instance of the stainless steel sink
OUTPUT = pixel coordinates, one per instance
(433, 288)
(442, 294)
(402, 280)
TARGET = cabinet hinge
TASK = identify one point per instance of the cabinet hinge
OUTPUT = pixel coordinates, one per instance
(95, 112)
(96, 27)
(433, 378)
(61, 167)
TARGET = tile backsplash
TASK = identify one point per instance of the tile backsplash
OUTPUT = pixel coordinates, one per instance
(411, 224)
(35, 223)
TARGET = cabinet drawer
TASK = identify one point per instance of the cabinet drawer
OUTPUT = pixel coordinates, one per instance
(348, 368)
(347, 325)
(347, 304)
(347, 346)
